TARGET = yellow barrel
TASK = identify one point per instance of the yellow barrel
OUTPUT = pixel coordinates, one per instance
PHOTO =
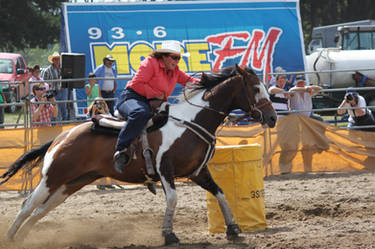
(238, 170)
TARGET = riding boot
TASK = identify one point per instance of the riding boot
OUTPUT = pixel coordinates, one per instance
(122, 159)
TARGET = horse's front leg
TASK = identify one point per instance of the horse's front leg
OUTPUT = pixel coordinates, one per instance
(205, 180)
(171, 198)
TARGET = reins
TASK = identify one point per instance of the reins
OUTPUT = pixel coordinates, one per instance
(253, 107)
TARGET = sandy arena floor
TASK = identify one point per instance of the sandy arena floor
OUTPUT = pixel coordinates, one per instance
(332, 210)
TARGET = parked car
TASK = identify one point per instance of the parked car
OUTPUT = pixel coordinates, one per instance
(12, 68)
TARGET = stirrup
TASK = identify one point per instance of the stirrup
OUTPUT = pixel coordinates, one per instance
(120, 165)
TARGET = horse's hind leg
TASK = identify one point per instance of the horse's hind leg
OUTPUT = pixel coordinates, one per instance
(55, 199)
(32, 201)
(50, 203)
(205, 180)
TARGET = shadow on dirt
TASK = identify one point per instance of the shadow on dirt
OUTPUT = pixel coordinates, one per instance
(308, 176)
(180, 246)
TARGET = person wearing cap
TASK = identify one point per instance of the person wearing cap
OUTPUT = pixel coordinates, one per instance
(53, 72)
(92, 89)
(360, 116)
(301, 97)
(155, 80)
(108, 86)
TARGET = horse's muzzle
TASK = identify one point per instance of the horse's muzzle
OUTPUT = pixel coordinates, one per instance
(269, 121)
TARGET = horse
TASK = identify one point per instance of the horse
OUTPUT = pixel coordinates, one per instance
(181, 147)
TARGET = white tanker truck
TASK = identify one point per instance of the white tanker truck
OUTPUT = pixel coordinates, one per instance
(355, 52)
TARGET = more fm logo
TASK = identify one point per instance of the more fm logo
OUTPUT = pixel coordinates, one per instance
(210, 54)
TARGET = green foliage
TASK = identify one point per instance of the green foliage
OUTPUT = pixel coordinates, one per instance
(26, 23)
(39, 56)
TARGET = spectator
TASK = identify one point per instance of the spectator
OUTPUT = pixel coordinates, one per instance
(35, 76)
(42, 113)
(53, 72)
(300, 97)
(357, 117)
(98, 106)
(280, 70)
(92, 89)
(2, 101)
(107, 87)
(278, 95)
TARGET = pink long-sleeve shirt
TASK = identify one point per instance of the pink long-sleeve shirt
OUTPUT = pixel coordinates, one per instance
(152, 79)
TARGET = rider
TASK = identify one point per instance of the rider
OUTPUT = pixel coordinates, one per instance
(155, 79)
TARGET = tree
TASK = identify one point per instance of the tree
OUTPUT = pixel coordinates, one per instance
(29, 24)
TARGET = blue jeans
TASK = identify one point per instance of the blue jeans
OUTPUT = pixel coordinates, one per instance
(136, 109)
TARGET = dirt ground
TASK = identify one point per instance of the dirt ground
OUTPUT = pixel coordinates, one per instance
(331, 210)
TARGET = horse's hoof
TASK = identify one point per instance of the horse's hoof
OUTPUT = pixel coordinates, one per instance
(233, 231)
(10, 239)
(171, 239)
(10, 236)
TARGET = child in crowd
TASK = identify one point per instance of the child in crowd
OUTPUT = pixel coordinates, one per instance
(92, 89)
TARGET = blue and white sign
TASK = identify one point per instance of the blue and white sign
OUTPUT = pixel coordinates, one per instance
(260, 34)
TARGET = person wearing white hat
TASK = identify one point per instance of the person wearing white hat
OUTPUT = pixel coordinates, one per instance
(155, 79)
(108, 86)
(53, 72)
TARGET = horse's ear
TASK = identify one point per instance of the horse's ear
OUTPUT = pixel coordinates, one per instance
(240, 70)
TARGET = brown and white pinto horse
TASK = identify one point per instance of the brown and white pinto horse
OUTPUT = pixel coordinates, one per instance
(78, 157)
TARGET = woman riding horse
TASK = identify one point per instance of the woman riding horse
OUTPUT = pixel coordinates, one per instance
(182, 148)
(155, 79)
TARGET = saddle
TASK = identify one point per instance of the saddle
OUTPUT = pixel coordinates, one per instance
(112, 125)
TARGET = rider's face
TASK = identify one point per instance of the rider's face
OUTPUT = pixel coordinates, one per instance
(171, 61)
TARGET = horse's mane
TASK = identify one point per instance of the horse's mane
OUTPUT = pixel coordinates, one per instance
(210, 80)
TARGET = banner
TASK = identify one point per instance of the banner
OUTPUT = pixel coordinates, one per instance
(260, 34)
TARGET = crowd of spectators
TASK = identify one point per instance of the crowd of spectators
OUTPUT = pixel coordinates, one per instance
(44, 86)
(288, 93)
(295, 96)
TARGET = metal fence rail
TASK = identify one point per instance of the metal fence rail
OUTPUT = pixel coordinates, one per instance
(29, 124)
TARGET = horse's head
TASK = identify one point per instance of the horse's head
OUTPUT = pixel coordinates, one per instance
(254, 99)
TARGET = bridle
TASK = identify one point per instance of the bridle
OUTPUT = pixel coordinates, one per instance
(254, 108)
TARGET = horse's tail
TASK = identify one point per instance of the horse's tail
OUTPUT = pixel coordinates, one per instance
(36, 153)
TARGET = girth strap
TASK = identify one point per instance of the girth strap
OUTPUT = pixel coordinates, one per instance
(203, 134)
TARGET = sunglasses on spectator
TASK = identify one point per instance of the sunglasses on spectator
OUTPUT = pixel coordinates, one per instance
(175, 57)
(40, 88)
